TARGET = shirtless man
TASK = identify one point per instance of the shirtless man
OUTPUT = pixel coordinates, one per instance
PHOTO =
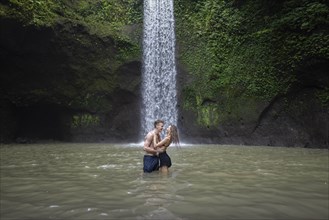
(151, 159)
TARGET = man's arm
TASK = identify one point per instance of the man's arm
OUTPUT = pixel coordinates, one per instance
(154, 140)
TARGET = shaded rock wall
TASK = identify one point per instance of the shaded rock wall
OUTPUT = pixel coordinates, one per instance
(53, 77)
(122, 122)
(297, 119)
(65, 83)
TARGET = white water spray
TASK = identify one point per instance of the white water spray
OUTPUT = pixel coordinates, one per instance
(159, 67)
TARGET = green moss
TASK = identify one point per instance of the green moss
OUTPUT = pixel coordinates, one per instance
(213, 114)
(323, 96)
(85, 121)
(240, 50)
(92, 40)
(208, 115)
(3, 10)
(33, 12)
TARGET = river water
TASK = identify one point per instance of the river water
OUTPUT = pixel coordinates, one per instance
(104, 181)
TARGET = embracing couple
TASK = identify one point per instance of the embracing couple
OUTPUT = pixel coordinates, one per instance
(156, 157)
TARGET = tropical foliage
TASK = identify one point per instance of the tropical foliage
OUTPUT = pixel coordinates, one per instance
(237, 52)
(238, 49)
(40, 12)
(93, 51)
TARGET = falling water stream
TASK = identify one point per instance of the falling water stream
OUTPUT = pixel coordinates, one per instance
(159, 68)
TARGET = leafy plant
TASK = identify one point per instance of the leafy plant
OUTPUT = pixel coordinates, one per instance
(250, 48)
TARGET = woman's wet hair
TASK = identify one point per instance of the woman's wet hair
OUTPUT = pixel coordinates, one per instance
(174, 134)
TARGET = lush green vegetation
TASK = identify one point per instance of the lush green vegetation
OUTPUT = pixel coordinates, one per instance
(100, 43)
(84, 120)
(102, 17)
(239, 51)
(116, 13)
(239, 54)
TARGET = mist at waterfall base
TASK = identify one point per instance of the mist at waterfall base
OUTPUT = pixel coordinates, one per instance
(159, 68)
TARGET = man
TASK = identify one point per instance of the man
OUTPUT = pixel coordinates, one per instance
(151, 159)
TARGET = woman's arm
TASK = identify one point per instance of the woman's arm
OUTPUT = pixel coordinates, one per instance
(163, 142)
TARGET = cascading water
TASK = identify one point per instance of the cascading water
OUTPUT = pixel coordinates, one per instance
(159, 68)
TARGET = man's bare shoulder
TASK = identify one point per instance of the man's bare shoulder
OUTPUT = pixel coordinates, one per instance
(149, 135)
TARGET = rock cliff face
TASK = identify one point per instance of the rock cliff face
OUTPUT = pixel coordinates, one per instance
(66, 83)
(297, 119)
(122, 122)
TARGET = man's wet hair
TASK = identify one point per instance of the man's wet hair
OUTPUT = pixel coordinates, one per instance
(157, 122)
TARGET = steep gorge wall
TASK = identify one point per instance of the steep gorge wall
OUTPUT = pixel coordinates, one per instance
(66, 82)
(254, 72)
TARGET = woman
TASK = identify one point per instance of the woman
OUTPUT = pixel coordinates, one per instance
(171, 137)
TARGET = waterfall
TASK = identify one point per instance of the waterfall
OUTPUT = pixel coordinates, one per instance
(159, 68)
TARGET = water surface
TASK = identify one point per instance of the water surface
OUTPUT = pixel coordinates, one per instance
(104, 181)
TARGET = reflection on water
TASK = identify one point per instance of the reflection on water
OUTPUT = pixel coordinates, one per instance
(103, 181)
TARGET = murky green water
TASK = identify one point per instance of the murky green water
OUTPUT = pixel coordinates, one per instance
(103, 181)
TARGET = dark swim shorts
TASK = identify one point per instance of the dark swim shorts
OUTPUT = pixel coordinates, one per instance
(164, 159)
(151, 163)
